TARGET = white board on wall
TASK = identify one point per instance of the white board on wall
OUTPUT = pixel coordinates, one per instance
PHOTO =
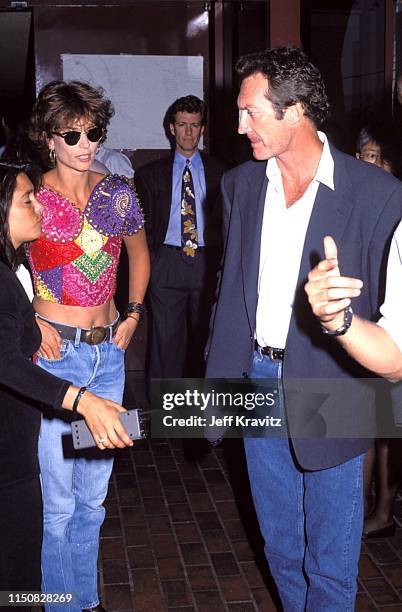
(141, 88)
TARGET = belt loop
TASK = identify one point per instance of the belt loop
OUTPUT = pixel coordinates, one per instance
(77, 337)
(113, 326)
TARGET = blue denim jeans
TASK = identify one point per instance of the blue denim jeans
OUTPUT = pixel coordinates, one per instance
(74, 484)
(311, 521)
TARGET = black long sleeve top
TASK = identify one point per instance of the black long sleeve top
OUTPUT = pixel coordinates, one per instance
(23, 385)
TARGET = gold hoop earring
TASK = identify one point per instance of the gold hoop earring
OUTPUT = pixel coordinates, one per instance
(52, 156)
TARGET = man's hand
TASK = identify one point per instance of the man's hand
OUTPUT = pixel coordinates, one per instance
(328, 292)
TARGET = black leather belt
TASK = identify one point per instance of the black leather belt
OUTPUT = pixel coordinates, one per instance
(95, 335)
(275, 354)
(179, 248)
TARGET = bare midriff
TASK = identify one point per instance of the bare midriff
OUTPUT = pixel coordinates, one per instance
(77, 316)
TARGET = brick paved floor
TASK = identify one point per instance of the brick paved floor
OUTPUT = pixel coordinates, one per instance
(181, 535)
(174, 538)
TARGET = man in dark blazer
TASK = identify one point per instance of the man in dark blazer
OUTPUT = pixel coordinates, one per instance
(307, 483)
(182, 287)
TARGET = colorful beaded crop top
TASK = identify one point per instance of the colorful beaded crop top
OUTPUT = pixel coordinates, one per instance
(75, 260)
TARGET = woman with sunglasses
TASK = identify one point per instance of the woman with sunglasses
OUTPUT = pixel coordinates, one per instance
(86, 216)
(23, 385)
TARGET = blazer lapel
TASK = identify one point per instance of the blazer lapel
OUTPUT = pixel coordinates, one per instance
(251, 212)
(208, 177)
(329, 216)
(165, 196)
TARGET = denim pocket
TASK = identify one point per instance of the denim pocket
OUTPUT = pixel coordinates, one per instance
(113, 343)
(65, 350)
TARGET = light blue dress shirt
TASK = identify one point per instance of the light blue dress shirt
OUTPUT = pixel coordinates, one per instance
(173, 234)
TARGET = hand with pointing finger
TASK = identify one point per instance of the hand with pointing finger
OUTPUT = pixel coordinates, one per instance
(328, 292)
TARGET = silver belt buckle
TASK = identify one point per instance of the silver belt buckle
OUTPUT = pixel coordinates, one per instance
(271, 353)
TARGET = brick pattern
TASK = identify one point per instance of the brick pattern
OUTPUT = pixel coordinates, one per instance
(181, 535)
(173, 538)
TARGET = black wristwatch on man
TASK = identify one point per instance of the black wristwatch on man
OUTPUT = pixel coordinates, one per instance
(347, 322)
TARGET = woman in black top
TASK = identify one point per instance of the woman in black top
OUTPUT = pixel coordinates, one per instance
(23, 385)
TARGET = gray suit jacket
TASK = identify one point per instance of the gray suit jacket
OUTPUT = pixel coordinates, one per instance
(361, 214)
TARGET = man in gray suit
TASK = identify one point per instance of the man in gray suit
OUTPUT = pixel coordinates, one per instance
(306, 484)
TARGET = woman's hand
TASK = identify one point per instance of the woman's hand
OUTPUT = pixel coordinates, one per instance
(51, 340)
(126, 330)
(102, 417)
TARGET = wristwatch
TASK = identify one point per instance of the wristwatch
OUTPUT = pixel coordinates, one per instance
(347, 322)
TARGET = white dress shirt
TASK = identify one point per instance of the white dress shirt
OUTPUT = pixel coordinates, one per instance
(282, 240)
(391, 310)
(115, 161)
(173, 232)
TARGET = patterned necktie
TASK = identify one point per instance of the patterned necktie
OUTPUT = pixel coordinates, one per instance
(189, 235)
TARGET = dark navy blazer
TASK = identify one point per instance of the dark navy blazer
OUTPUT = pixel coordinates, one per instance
(361, 214)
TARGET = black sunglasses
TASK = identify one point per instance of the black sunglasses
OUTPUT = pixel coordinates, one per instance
(73, 137)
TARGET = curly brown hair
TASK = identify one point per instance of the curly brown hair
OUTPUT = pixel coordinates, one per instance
(60, 104)
(291, 77)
